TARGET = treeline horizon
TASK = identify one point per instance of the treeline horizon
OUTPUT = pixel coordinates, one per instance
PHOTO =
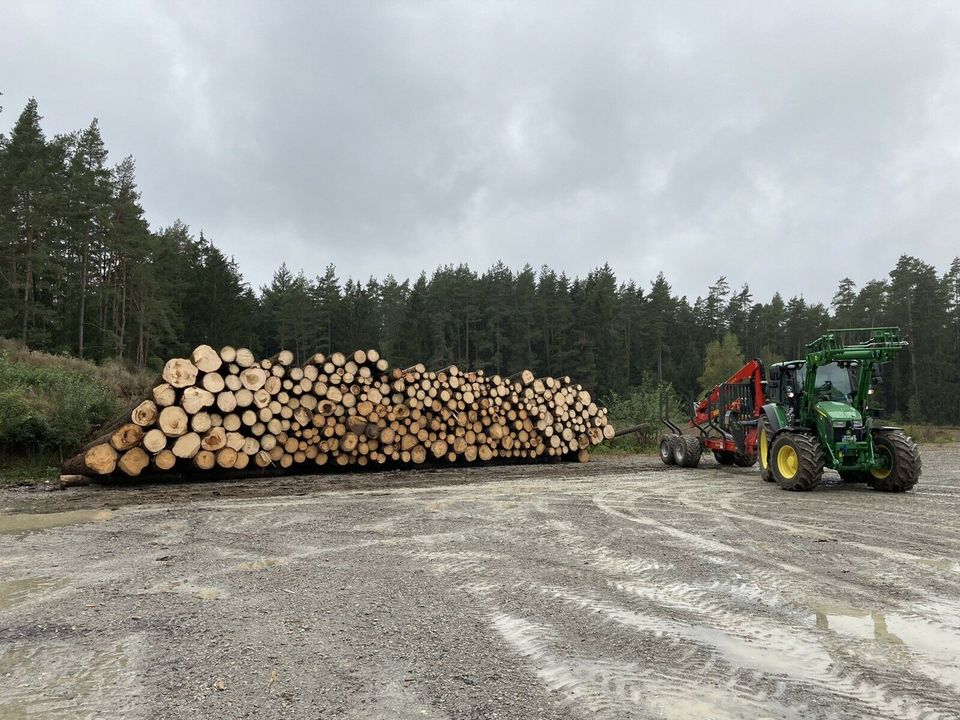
(82, 273)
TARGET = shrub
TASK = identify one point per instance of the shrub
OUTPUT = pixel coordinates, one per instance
(51, 404)
(641, 406)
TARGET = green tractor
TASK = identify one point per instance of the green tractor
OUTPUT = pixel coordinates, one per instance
(818, 415)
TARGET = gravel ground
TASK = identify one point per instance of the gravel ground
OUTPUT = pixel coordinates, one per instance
(616, 589)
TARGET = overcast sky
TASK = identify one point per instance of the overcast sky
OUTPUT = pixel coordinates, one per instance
(784, 145)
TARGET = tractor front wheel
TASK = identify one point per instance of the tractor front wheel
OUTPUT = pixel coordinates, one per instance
(797, 461)
(899, 463)
(666, 450)
(763, 450)
(687, 451)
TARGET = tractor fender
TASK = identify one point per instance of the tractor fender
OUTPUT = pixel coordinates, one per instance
(776, 418)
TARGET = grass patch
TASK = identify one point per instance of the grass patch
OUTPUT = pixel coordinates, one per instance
(51, 405)
(34, 469)
(933, 435)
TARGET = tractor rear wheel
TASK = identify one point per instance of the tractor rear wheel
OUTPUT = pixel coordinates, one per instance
(687, 451)
(723, 457)
(763, 450)
(666, 450)
(899, 462)
(797, 461)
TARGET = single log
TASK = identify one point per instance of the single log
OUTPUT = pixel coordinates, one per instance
(164, 395)
(180, 373)
(99, 459)
(418, 454)
(173, 421)
(165, 459)
(253, 378)
(201, 422)
(204, 459)
(227, 401)
(244, 358)
(244, 397)
(187, 446)
(194, 399)
(227, 458)
(215, 439)
(213, 381)
(206, 359)
(228, 354)
(144, 414)
(133, 461)
(126, 436)
(154, 440)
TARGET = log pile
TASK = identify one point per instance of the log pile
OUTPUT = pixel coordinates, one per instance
(227, 411)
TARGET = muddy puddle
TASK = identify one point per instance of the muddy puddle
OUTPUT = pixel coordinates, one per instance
(15, 592)
(19, 524)
(58, 681)
(933, 647)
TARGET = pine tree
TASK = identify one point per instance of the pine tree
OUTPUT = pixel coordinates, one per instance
(28, 208)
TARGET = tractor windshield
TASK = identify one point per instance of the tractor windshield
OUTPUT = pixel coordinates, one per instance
(834, 383)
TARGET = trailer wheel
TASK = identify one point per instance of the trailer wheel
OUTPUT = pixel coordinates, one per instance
(900, 462)
(666, 450)
(744, 460)
(763, 450)
(723, 457)
(797, 461)
(687, 451)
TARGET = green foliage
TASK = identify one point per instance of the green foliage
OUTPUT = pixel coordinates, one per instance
(641, 406)
(53, 405)
(31, 469)
(721, 359)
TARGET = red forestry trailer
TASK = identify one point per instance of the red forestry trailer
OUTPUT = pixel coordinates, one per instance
(725, 422)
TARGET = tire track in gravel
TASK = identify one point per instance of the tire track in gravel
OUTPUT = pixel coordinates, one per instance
(605, 688)
(911, 611)
(724, 614)
(721, 638)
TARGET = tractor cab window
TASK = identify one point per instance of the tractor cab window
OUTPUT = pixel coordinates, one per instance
(834, 383)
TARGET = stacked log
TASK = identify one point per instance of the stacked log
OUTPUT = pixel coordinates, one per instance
(226, 411)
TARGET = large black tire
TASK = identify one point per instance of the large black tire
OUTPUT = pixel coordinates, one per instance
(796, 460)
(763, 450)
(666, 450)
(901, 458)
(687, 450)
(723, 457)
(744, 460)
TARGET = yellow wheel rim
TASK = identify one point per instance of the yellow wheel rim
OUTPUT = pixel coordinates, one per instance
(763, 449)
(788, 462)
(882, 473)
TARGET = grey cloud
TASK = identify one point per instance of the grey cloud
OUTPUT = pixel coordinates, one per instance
(781, 145)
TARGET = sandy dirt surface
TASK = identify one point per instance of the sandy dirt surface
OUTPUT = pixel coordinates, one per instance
(616, 589)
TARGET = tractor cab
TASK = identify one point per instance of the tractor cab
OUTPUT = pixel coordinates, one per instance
(835, 382)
